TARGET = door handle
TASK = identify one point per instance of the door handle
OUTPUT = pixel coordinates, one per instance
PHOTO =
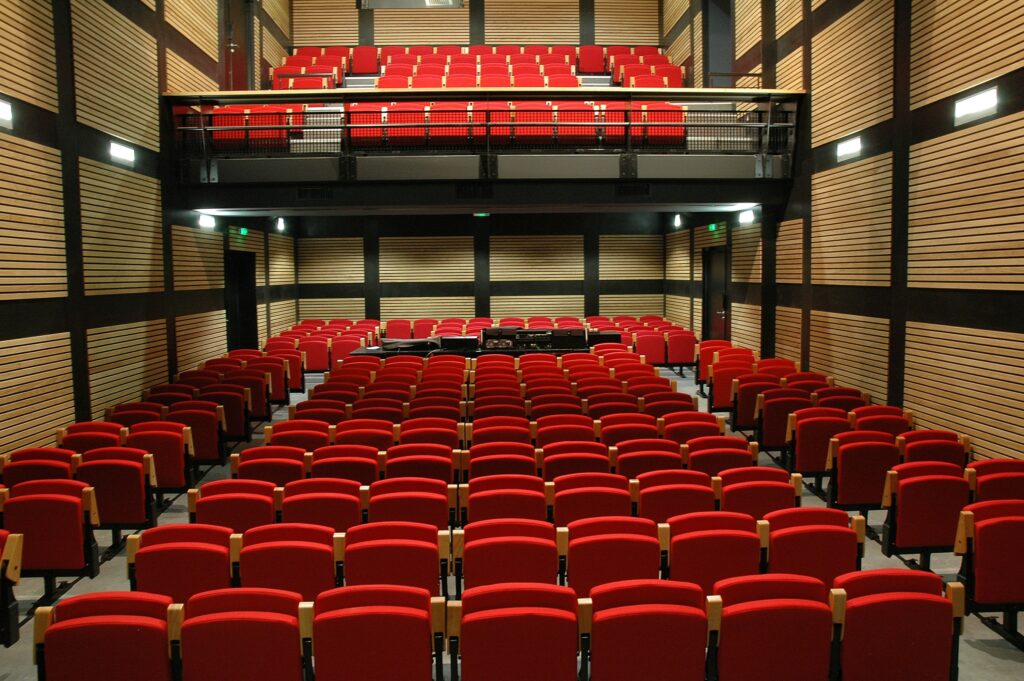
(720, 314)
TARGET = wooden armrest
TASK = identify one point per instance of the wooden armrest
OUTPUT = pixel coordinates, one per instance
(714, 610)
(437, 615)
(585, 615)
(956, 594)
(562, 540)
(837, 601)
(306, 613)
(964, 533)
(664, 536)
(90, 506)
(133, 541)
(235, 547)
(860, 525)
(12, 554)
(458, 543)
(892, 479)
(763, 533)
(453, 619)
(41, 621)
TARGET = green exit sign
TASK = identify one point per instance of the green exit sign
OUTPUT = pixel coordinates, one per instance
(712, 227)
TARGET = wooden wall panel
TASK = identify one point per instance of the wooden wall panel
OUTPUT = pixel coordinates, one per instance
(257, 54)
(426, 258)
(183, 77)
(746, 253)
(524, 306)
(681, 48)
(746, 326)
(852, 72)
(698, 316)
(789, 73)
(200, 337)
(788, 13)
(273, 51)
(334, 260)
(788, 333)
(985, 38)
(427, 307)
(626, 23)
(815, 4)
(698, 50)
(632, 304)
(632, 256)
(325, 22)
(198, 259)
(279, 12)
(672, 11)
(251, 243)
(124, 360)
(28, 69)
(747, 22)
(677, 310)
(149, 3)
(851, 223)
(197, 21)
(677, 256)
(968, 380)
(967, 208)
(282, 259)
(705, 238)
(32, 255)
(533, 21)
(332, 308)
(536, 258)
(789, 252)
(283, 315)
(36, 390)
(262, 322)
(116, 87)
(122, 233)
(853, 349)
(421, 26)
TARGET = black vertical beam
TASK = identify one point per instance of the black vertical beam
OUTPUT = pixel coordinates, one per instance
(661, 25)
(591, 273)
(482, 272)
(371, 267)
(769, 48)
(693, 269)
(366, 28)
(478, 24)
(266, 279)
(168, 192)
(804, 124)
(900, 201)
(67, 142)
(588, 28)
(770, 218)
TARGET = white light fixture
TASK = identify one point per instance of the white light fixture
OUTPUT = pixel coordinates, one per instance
(122, 153)
(848, 149)
(747, 217)
(207, 221)
(6, 114)
(678, 222)
(280, 224)
(976, 106)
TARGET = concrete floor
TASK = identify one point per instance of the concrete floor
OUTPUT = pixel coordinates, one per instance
(984, 656)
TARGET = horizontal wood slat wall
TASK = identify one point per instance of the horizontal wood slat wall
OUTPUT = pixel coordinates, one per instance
(332, 308)
(197, 21)
(698, 316)
(183, 77)
(746, 253)
(632, 303)
(853, 349)
(524, 306)
(852, 72)
(698, 50)
(283, 315)
(149, 3)
(426, 258)
(426, 307)
(257, 54)
(116, 87)
(967, 208)
(262, 322)
(325, 22)
(334, 260)
(279, 12)
(252, 243)
(421, 26)
(532, 21)
(273, 51)
(122, 233)
(705, 238)
(200, 337)
(282, 259)
(815, 4)
(681, 48)
(36, 389)
(970, 381)
(677, 256)
(32, 254)
(198, 259)
(788, 333)
(986, 37)
(747, 23)
(632, 256)
(672, 12)
(677, 310)
(626, 23)
(789, 252)
(28, 70)
(536, 258)
(788, 13)
(789, 74)
(745, 326)
(851, 223)
(124, 360)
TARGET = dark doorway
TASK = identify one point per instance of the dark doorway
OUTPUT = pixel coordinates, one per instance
(716, 302)
(240, 299)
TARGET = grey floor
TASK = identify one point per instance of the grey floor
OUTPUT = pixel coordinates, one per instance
(984, 656)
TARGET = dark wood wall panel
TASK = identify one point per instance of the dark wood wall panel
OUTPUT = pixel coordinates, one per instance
(788, 333)
(124, 360)
(280, 12)
(747, 24)
(283, 315)
(200, 337)
(198, 259)
(788, 13)
(28, 69)
(282, 259)
(35, 389)
(672, 11)
(746, 253)
(681, 48)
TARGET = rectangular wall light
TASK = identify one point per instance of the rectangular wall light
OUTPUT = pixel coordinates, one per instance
(6, 114)
(747, 217)
(848, 149)
(122, 153)
(976, 106)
